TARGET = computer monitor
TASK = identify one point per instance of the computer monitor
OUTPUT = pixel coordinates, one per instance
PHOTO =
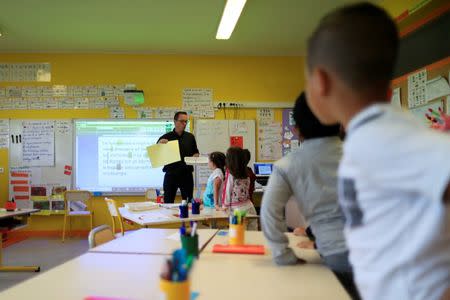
(263, 169)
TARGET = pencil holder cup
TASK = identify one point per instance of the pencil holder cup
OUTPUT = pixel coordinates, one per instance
(184, 211)
(10, 206)
(195, 208)
(236, 234)
(175, 290)
(190, 244)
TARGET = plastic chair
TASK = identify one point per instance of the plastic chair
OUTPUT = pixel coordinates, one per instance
(80, 200)
(151, 195)
(100, 235)
(115, 214)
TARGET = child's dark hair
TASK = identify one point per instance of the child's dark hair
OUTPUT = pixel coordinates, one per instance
(359, 42)
(307, 123)
(235, 162)
(247, 156)
(218, 159)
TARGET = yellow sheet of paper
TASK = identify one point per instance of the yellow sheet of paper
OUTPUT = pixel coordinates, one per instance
(164, 154)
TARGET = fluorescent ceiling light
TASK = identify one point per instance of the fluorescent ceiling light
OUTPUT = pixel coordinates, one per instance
(230, 16)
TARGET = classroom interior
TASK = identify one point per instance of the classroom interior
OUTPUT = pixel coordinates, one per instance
(161, 49)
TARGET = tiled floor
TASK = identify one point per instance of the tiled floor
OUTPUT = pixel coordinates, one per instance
(46, 253)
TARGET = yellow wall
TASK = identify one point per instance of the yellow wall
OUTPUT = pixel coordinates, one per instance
(397, 7)
(162, 78)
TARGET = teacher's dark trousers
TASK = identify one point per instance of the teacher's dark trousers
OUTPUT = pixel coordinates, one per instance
(174, 180)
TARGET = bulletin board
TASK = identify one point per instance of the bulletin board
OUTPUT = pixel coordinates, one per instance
(434, 71)
(40, 163)
(219, 135)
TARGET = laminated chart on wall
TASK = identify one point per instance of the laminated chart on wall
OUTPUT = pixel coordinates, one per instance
(166, 112)
(437, 87)
(38, 143)
(4, 133)
(117, 112)
(144, 112)
(269, 141)
(417, 84)
(25, 72)
(395, 99)
(41, 186)
(290, 140)
(425, 112)
(264, 115)
(60, 97)
(218, 135)
(199, 101)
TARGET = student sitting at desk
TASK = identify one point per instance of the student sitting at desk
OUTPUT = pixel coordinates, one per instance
(310, 175)
(237, 183)
(213, 190)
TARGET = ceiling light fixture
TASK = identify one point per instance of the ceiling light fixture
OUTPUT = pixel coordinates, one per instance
(230, 16)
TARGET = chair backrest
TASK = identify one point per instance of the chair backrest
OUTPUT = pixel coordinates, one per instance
(150, 194)
(114, 212)
(112, 207)
(100, 235)
(77, 196)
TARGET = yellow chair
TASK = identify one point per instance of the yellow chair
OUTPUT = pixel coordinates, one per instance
(150, 194)
(82, 199)
(100, 235)
(115, 214)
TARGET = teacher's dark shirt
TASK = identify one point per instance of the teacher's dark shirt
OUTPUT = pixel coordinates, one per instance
(188, 147)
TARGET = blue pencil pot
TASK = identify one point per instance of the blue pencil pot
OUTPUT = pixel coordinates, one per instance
(184, 211)
(195, 208)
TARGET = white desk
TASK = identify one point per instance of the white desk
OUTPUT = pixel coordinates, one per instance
(225, 277)
(128, 276)
(257, 238)
(151, 241)
(23, 214)
(261, 278)
(133, 276)
(165, 216)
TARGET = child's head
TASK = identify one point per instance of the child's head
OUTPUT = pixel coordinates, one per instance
(216, 160)
(308, 126)
(350, 61)
(235, 162)
(247, 156)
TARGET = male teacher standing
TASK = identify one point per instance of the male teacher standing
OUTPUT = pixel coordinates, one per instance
(178, 174)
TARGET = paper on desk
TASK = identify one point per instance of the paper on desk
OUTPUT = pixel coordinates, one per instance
(192, 160)
(154, 216)
(164, 154)
(175, 237)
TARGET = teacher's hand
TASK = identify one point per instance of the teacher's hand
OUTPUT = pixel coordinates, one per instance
(163, 141)
(196, 155)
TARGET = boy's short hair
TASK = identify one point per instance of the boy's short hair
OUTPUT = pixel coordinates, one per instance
(307, 123)
(359, 42)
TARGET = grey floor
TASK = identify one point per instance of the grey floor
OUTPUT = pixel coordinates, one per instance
(47, 253)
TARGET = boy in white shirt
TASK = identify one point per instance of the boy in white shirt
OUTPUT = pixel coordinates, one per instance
(394, 174)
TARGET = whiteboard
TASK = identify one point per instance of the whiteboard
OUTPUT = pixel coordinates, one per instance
(48, 177)
(214, 135)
